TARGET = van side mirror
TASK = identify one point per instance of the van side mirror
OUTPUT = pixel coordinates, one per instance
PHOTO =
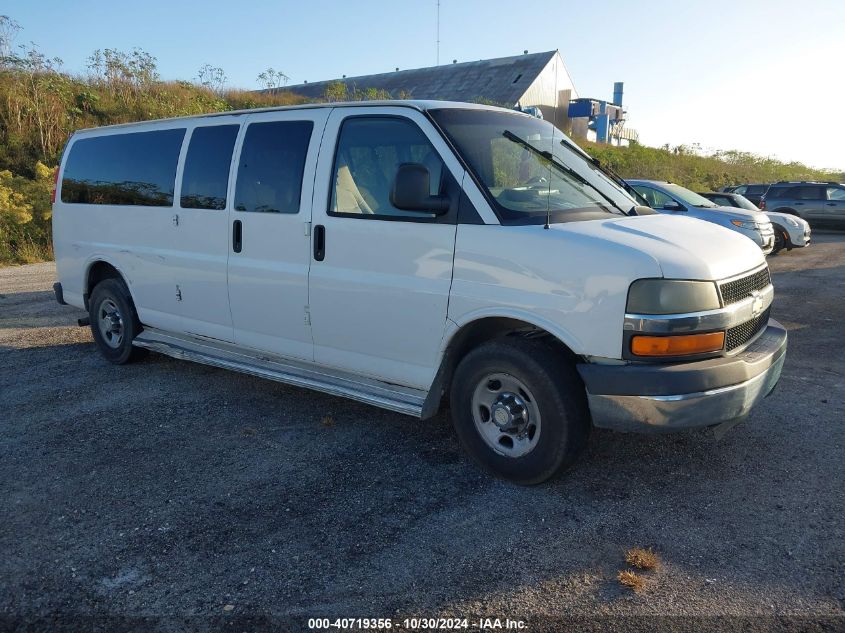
(673, 206)
(411, 190)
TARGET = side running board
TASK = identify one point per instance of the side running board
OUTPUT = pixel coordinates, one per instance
(338, 383)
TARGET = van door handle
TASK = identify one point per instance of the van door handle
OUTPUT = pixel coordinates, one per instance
(237, 236)
(319, 242)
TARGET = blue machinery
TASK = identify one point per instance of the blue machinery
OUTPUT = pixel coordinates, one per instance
(607, 120)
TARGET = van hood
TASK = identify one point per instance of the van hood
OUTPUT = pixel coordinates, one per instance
(683, 248)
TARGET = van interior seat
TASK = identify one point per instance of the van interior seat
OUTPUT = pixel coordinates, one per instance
(348, 198)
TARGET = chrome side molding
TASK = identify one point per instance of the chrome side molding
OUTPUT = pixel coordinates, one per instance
(335, 382)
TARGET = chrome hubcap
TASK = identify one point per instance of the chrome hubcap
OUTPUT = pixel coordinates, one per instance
(110, 323)
(506, 415)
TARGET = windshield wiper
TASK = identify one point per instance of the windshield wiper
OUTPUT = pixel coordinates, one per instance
(564, 168)
(605, 170)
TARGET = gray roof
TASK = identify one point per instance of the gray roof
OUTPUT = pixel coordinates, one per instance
(502, 81)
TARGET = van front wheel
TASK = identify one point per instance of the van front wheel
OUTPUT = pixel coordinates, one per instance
(519, 409)
(114, 322)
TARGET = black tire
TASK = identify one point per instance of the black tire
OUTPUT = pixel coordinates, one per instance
(107, 295)
(780, 240)
(560, 399)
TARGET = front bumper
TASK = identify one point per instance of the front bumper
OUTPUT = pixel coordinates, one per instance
(763, 237)
(799, 236)
(666, 397)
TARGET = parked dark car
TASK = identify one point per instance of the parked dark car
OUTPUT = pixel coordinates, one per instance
(816, 202)
(790, 230)
(751, 191)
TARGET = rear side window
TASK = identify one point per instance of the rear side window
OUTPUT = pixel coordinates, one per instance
(836, 193)
(756, 189)
(205, 178)
(123, 169)
(271, 166)
(809, 193)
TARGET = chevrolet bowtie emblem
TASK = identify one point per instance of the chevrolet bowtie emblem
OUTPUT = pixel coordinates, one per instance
(756, 303)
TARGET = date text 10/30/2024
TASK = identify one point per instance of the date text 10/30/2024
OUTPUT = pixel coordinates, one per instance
(416, 624)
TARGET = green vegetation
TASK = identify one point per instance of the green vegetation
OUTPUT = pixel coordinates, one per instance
(40, 106)
(688, 168)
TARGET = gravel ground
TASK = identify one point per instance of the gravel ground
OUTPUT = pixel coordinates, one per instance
(167, 488)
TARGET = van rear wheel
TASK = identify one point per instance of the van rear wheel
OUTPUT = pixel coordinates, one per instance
(114, 322)
(519, 409)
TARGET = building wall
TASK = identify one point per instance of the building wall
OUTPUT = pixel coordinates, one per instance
(551, 91)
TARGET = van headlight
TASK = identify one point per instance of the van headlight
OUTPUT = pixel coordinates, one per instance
(792, 221)
(668, 296)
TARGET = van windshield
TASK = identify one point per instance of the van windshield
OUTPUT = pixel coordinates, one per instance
(530, 168)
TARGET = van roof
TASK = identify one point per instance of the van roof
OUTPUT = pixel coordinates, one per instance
(416, 104)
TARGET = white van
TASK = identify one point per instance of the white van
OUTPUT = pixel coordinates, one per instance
(402, 253)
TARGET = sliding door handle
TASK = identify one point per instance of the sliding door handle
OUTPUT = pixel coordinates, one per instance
(237, 236)
(319, 242)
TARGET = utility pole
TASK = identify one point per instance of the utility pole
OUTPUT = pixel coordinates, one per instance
(438, 32)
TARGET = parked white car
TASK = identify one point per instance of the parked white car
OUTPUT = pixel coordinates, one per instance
(790, 231)
(794, 232)
(398, 253)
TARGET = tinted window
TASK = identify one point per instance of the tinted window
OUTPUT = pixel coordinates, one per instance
(740, 190)
(722, 201)
(127, 169)
(369, 153)
(205, 178)
(808, 193)
(271, 166)
(756, 189)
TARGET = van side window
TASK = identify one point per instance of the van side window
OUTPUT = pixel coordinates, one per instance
(205, 178)
(271, 166)
(369, 152)
(137, 168)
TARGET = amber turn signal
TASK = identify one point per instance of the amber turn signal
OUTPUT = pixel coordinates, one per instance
(677, 345)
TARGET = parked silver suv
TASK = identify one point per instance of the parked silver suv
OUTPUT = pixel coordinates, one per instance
(816, 202)
(669, 198)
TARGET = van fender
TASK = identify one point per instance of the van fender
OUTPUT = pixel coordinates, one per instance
(100, 258)
(562, 334)
(445, 362)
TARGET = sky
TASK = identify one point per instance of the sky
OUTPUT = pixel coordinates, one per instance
(764, 76)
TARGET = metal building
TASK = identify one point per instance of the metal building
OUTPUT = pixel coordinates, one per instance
(536, 79)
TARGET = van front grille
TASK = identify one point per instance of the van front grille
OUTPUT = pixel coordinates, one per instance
(739, 335)
(739, 289)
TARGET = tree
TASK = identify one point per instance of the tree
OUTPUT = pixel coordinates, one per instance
(9, 30)
(37, 98)
(271, 79)
(212, 78)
